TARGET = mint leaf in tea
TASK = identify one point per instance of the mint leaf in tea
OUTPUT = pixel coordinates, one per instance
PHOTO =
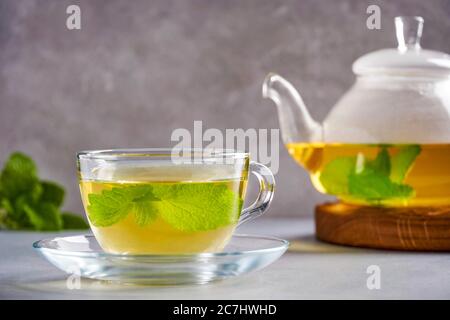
(198, 206)
(163, 216)
(111, 206)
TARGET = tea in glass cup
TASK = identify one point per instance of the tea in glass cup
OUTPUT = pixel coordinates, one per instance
(161, 201)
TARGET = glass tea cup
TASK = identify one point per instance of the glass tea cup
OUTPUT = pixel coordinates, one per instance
(168, 201)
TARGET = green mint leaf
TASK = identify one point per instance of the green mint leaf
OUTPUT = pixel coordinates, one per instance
(334, 176)
(52, 192)
(371, 180)
(402, 162)
(188, 207)
(44, 217)
(34, 195)
(113, 205)
(3, 219)
(373, 186)
(381, 164)
(6, 209)
(6, 205)
(18, 176)
(198, 206)
(73, 221)
(26, 202)
(16, 208)
(17, 211)
(144, 212)
(108, 208)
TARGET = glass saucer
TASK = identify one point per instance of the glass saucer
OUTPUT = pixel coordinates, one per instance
(82, 255)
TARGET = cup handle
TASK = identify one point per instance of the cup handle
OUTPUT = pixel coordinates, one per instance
(266, 187)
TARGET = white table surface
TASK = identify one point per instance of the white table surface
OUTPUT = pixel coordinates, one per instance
(309, 270)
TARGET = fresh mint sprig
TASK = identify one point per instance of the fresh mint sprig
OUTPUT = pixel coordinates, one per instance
(28, 203)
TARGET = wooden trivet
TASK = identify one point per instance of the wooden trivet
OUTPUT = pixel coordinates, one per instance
(418, 228)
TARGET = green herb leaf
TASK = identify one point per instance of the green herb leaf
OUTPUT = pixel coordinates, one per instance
(402, 162)
(72, 221)
(381, 164)
(18, 213)
(113, 205)
(18, 176)
(53, 193)
(187, 207)
(26, 202)
(373, 186)
(144, 212)
(371, 180)
(334, 176)
(6, 209)
(44, 217)
(6, 204)
(198, 206)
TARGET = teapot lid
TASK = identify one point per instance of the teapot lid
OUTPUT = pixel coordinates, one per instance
(409, 58)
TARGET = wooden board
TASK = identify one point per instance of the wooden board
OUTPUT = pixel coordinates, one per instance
(419, 228)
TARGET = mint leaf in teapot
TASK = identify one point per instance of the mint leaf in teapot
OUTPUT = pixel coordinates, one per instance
(371, 180)
(381, 164)
(334, 176)
(373, 186)
(402, 162)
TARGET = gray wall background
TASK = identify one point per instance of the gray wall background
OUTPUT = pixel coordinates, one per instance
(139, 69)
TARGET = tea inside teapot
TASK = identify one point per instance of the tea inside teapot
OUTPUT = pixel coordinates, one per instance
(391, 174)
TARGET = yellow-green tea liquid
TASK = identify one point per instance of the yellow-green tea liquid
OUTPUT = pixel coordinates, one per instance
(428, 175)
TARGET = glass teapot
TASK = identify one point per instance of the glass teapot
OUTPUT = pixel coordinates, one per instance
(387, 140)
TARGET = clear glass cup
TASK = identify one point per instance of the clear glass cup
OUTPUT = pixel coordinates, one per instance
(166, 201)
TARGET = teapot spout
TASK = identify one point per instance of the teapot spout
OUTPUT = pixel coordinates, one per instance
(296, 123)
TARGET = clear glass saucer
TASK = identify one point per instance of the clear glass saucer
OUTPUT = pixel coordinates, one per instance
(82, 255)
